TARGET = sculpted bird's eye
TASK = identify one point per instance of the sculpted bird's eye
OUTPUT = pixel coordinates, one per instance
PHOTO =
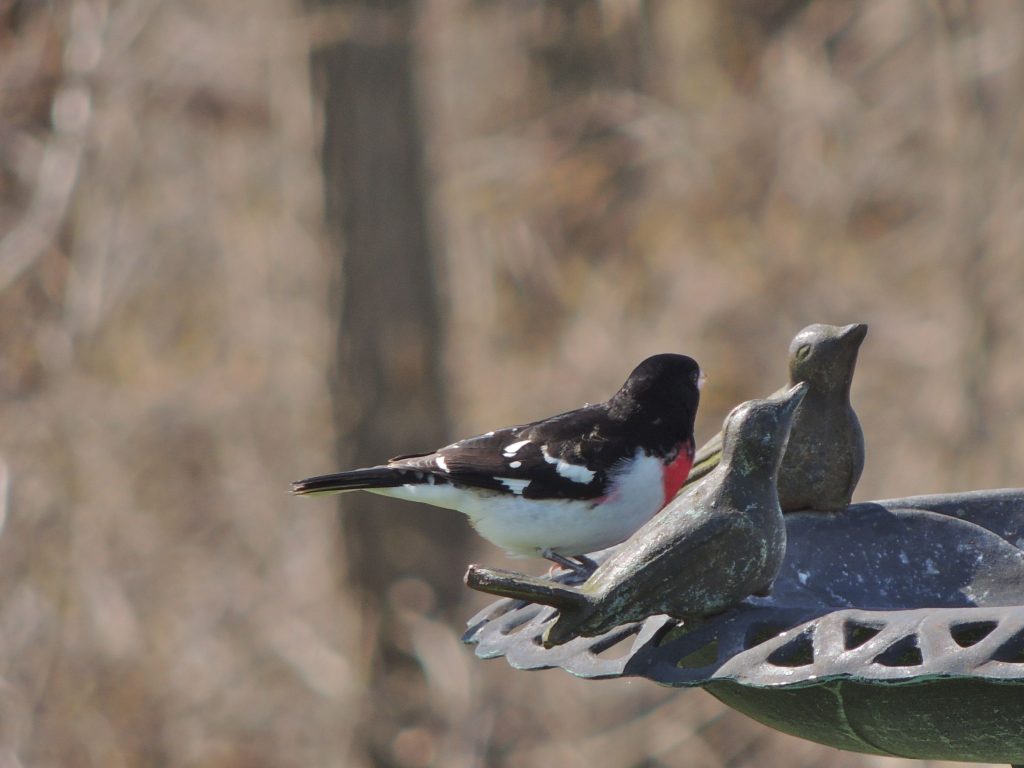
(803, 352)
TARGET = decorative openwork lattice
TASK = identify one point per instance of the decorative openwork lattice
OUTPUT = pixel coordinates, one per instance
(921, 591)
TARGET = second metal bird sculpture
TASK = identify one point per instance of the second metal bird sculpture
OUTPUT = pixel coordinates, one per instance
(704, 553)
(825, 456)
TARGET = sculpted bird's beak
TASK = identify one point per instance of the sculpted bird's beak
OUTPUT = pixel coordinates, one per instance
(792, 399)
(854, 333)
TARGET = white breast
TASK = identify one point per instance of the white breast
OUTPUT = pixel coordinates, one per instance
(523, 526)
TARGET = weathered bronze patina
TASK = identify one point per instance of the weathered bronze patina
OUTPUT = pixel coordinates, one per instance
(893, 627)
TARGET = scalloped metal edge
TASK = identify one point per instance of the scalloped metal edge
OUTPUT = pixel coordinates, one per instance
(799, 647)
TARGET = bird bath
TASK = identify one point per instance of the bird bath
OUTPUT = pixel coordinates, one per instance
(894, 628)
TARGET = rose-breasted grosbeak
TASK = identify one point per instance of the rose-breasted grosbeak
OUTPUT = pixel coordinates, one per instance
(564, 486)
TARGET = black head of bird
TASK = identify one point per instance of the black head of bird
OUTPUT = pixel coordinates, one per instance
(662, 393)
(705, 552)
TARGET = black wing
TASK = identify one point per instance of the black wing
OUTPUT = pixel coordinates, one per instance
(569, 456)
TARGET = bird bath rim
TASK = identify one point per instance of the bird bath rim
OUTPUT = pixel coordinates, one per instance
(791, 660)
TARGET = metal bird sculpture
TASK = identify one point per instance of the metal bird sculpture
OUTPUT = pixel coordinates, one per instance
(825, 455)
(704, 553)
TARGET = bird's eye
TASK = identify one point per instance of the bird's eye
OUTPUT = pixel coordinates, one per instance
(803, 352)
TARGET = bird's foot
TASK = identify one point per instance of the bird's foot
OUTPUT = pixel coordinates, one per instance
(579, 567)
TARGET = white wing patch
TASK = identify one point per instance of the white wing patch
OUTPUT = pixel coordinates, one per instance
(515, 464)
(573, 472)
(516, 486)
(511, 449)
(441, 463)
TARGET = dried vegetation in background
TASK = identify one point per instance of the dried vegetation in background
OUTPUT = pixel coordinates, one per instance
(610, 180)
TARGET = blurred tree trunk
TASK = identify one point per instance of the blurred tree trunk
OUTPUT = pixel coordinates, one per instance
(389, 388)
(582, 50)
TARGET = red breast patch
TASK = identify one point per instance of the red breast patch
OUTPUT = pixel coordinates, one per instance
(675, 474)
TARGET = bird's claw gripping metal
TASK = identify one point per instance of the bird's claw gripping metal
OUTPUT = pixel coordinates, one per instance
(576, 569)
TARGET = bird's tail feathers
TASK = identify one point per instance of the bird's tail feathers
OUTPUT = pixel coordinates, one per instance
(354, 480)
(522, 587)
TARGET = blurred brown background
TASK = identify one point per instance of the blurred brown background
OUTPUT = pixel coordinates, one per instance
(245, 241)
